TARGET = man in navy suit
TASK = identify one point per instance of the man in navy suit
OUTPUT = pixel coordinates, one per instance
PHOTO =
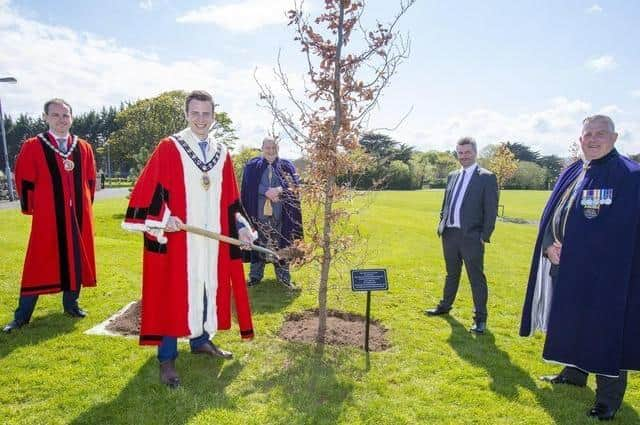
(467, 219)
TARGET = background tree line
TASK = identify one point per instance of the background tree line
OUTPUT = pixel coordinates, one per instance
(123, 137)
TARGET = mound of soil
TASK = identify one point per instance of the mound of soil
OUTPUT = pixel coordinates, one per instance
(343, 328)
(128, 323)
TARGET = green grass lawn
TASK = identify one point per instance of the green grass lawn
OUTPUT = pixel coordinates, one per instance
(436, 371)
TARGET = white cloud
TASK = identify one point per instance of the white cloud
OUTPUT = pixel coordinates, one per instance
(594, 9)
(550, 130)
(603, 63)
(146, 4)
(91, 72)
(241, 16)
(635, 93)
(610, 110)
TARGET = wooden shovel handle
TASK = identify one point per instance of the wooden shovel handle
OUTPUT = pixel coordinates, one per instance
(227, 239)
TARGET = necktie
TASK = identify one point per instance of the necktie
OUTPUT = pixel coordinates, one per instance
(203, 148)
(62, 144)
(452, 206)
(268, 210)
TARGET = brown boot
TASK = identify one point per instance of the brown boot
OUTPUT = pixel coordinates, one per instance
(168, 374)
(210, 349)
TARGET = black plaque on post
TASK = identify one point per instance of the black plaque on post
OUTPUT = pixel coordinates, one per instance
(367, 280)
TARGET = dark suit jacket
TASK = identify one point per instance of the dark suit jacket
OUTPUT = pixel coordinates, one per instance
(479, 206)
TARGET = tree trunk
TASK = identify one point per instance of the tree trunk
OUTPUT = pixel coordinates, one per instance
(329, 186)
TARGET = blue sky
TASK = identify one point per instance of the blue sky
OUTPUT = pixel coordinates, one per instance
(523, 71)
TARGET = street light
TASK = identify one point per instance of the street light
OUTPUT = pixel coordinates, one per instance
(9, 80)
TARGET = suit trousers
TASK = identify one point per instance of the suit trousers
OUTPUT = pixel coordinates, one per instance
(459, 249)
(609, 390)
(269, 231)
(27, 304)
(168, 348)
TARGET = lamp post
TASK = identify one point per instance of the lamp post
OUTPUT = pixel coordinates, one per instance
(9, 80)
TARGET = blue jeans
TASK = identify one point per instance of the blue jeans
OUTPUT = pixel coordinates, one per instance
(27, 303)
(168, 348)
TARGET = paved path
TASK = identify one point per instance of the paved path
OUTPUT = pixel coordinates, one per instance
(119, 192)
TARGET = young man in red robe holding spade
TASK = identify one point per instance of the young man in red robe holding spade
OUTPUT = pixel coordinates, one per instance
(56, 180)
(189, 280)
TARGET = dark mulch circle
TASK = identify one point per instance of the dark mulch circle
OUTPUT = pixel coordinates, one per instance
(343, 328)
(128, 323)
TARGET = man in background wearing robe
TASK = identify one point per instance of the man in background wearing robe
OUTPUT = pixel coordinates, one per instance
(584, 284)
(56, 180)
(188, 280)
(269, 185)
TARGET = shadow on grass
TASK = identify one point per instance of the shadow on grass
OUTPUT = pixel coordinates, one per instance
(38, 330)
(145, 400)
(565, 404)
(306, 389)
(270, 297)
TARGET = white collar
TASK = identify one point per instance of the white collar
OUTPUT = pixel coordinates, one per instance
(471, 168)
(66, 136)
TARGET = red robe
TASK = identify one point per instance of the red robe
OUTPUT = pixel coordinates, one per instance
(178, 273)
(60, 255)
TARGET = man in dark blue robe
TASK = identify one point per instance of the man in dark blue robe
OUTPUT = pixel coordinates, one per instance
(584, 284)
(269, 195)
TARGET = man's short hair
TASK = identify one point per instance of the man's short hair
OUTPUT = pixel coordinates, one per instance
(58, 101)
(273, 140)
(604, 118)
(200, 95)
(468, 141)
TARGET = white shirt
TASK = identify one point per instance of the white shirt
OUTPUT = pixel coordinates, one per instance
(468, 173)
(66, 139)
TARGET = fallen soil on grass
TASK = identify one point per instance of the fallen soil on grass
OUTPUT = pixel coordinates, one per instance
(128, 323)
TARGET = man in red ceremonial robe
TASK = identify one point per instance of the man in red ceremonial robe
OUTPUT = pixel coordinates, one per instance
(188, 280)
(56, 179)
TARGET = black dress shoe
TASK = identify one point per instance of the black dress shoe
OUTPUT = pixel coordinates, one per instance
(438, 311)
(560, 379)
(169, 375)
(478, 327)
(76, 312)
(14, 324)
(602, 412)
(210, 349)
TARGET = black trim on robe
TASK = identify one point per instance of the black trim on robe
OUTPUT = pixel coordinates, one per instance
(154, 246)
(247, 332)
(77, 184)
(236, 207)
(151, 337)
(59, 211)
(28, 291)
(160, 196)
(27, 187)
(137, 213)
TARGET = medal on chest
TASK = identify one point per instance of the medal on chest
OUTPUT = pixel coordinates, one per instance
(592, 199)
(67, 163)
(205, 180)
